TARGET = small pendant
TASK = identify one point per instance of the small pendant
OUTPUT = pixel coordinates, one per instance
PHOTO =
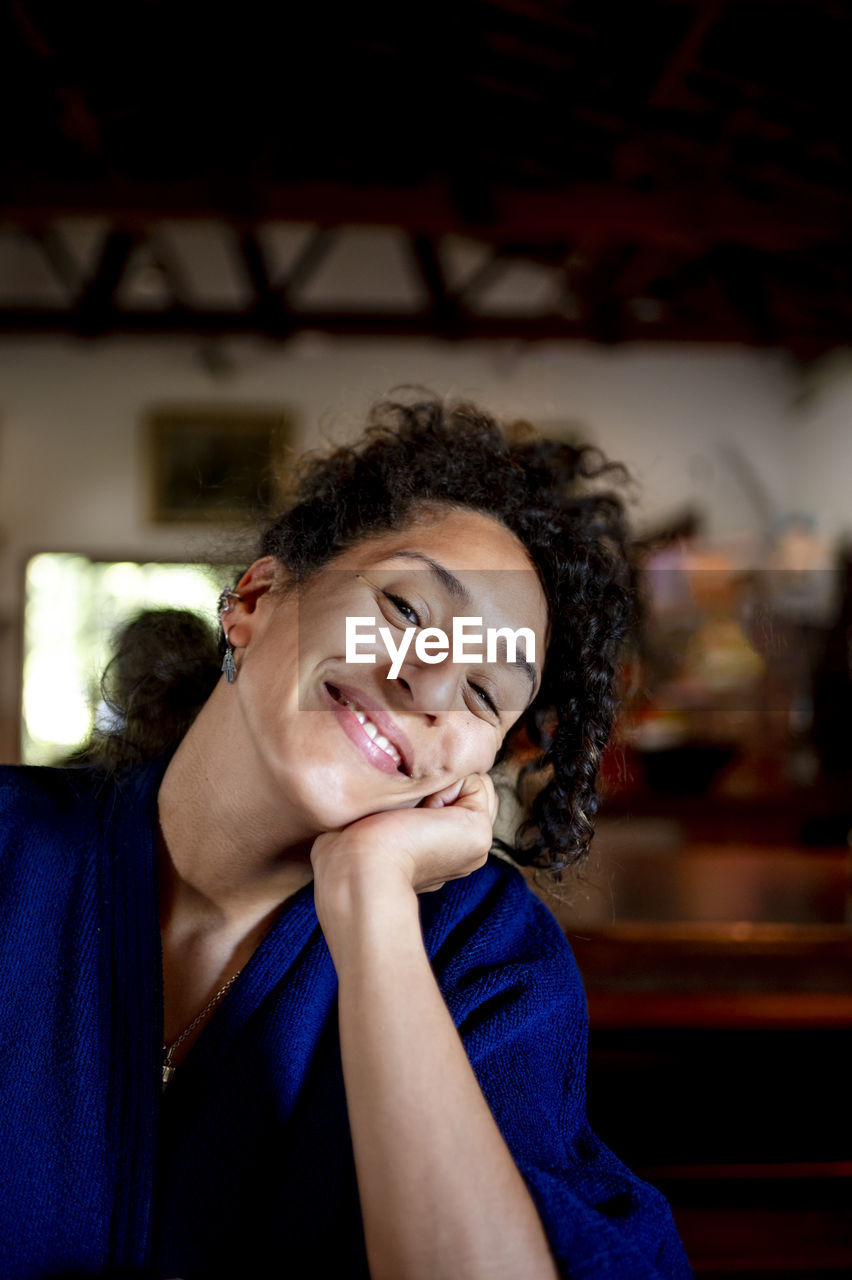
(168, 1072)
(228, 669)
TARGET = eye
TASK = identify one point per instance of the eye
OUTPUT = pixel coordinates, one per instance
(403, 608)
(486, 699)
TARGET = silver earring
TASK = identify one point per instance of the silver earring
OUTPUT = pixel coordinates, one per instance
(229, 670)
(223, 605)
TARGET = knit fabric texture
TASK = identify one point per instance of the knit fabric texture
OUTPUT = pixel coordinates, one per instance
(244, 1166)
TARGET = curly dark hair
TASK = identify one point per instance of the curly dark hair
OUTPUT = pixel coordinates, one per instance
(424, 454)
(164, 665)
(416, 455)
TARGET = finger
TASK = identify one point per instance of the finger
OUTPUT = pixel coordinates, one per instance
(471, 792)
(447, 795)
(492, 798)
(477, 792)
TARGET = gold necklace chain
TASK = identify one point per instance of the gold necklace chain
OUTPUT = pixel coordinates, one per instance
(169, 1049)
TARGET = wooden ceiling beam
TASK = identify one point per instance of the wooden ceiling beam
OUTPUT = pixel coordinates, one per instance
(317, 246)
(169, 263)
(704, 326)
(743, 280)
(59, 259)
(484, 275)
(688, 218)
(93, 314)
(598, 289)
(445, 309)
(273, 316)
(671, 89)
(75, 120)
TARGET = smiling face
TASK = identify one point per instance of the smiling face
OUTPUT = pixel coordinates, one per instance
(340, 740)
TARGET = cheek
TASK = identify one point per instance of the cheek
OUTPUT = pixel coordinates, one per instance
(477, 748)
(324, 608)
(267, 687)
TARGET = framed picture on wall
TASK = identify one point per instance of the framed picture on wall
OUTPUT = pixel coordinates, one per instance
(214, 463)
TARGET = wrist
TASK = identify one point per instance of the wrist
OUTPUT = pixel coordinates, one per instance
(361, 907)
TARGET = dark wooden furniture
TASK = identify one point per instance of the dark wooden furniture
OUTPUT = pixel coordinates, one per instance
(719, 1069)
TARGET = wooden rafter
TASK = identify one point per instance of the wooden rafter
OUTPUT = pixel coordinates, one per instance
(95, 310)
(273, 317)
(443, 306)
(689, 181)
(687, 216)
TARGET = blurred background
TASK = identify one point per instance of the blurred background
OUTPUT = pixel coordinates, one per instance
(224, 234)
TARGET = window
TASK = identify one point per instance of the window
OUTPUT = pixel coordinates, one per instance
(74, 606)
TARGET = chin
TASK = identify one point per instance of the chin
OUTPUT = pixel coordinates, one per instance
(331, 790)
(359, 803)
(347, 814)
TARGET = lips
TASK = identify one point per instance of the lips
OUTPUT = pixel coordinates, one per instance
(386, 744)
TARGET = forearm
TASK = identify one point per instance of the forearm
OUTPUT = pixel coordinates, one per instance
(440, 1193)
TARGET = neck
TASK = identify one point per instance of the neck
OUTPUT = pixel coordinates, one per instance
(230, 852)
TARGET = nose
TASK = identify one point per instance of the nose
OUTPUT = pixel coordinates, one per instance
(429, 688)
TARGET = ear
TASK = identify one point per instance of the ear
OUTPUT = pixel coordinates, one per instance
(239, 622)
(258, 579)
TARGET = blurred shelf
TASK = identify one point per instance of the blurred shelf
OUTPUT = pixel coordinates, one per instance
(643, 872)
(720, 1010)
(787, 1219)
(820, 814)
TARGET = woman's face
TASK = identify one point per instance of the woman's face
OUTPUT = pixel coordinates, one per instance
(340, 739)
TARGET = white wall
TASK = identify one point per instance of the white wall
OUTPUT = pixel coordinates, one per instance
(821, 461)
(688, 421)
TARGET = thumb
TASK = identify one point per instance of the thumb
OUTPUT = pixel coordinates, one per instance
(472, 792)
(447, 795)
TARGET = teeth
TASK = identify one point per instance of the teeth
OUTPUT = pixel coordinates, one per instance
(356, 711)
(372, 732)
(388, 748)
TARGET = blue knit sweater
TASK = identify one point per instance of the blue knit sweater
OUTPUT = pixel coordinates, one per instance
(244, 1167)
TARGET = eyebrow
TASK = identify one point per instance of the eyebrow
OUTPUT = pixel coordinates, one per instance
(448, 580)
(522, 664)
(460, 593)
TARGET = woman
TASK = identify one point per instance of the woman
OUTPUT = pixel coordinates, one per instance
(371, 1035)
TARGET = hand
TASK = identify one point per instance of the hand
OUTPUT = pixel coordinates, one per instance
(410, 850)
